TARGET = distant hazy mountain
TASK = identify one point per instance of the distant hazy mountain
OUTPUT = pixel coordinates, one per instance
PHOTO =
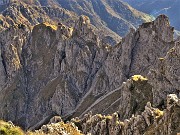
(114, 14)
(156, 7)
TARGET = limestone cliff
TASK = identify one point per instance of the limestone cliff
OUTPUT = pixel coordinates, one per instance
(132, 96)
(150, 121)
(113, 15)
(18, 12)
(65, 68)
(57, 69)
(31, 13)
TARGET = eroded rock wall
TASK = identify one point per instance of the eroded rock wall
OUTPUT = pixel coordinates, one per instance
(56, 69)
(150, 121)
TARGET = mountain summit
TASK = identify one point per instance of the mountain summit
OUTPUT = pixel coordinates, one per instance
(157, 7)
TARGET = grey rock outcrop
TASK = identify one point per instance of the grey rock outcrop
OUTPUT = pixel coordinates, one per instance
(57, 128)
(137, 54)
(30, 13)
(108, 15)
(44, 68)
(166, 76)
(17, 12)
(139, 50)
(119, 15)
(150, 121)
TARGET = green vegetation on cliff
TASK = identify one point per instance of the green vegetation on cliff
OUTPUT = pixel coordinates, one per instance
(7, 128)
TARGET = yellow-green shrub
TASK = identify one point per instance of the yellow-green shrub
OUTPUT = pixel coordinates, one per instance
(138, 78)
(9, 129)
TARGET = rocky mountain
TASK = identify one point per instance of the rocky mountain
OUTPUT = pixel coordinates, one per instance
(157, 7)
(113, 14)
(150, 121)
(123, 16)
(18, 12)
(64, 67)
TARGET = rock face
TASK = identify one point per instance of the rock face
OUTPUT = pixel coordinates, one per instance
(107, 14)
(166, 76)
(139, 50)
(68, 70)
(132, 96)
(57, 69)
(129, 99)
(123, 15)
(64, 70)
(17, 12)
(58, 128)
(39, 69)
(151, 41)
(150, 121)
(31, 13)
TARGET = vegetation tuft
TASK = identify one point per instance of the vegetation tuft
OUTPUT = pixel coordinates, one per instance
(7, 128)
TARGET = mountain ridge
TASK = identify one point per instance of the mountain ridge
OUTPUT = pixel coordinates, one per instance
(64, 67)
(167, 7)
(122, 14)
(123, 20)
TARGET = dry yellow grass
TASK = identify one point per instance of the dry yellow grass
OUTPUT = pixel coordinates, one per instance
(58, 128)
(108, 117)
(138, 78)
(158, 113)
(9, 129)
(161, 59)
(69, 128)
(54, 27)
